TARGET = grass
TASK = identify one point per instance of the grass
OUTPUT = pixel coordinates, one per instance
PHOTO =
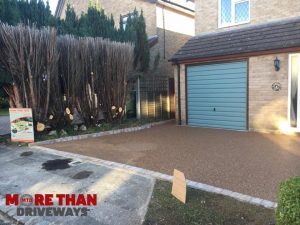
(4, 112)
(202, 208)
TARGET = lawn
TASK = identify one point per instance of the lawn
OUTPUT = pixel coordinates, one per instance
(203, 208)
(3, 112)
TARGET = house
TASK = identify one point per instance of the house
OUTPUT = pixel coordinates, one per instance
(242, 69)
(169, 24)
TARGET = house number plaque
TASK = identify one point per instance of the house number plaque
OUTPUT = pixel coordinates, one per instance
(276, 86)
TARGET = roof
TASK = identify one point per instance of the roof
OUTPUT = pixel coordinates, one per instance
(152, 40)
(282, 34)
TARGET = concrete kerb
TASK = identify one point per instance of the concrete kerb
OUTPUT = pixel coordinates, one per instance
(165, 177)
(99, 134)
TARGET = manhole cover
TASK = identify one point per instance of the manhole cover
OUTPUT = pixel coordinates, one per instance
(82, 175)
(57, 164)
(26, 153)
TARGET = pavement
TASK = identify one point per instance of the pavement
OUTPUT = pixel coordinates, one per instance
(4, 125)
(122, 196)
(245, 162)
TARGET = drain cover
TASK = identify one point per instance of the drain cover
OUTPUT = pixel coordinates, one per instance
(26, 153)
(82, 175)
(57, 164)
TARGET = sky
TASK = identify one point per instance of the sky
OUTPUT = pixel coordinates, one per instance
(53, 4)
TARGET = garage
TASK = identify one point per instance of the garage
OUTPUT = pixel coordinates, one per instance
(237, 79)
(217, 95)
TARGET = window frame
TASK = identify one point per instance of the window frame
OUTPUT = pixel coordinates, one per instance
(127, 17)
(124, 23)
(294, 129)
(233, 23)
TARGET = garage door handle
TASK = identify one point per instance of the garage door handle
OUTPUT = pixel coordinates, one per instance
(214, 109)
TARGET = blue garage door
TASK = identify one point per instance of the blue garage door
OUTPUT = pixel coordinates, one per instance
(217, 95)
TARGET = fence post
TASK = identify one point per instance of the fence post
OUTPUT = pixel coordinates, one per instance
(138, 99)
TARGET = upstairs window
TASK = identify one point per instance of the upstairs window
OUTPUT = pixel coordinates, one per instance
(125, 18)
(124, 21)
(233, 12)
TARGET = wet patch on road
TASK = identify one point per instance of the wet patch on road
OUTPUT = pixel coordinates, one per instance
(24, 154)
(82, 175)
(57, 164)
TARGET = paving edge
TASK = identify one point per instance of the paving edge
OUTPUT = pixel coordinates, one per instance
(9, 219)
(99, 134)
(204, 187)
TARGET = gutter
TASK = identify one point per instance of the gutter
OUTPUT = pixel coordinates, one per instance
(191, 60)
(59, 8)
(177, 7)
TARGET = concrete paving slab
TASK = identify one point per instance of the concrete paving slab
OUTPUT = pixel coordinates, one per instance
(122, 195)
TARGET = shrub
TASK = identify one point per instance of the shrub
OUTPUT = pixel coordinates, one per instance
(3, 103)
(288, 210)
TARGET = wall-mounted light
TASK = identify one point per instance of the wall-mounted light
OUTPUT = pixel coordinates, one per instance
(277, 64)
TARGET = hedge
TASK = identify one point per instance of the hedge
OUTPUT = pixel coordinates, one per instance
(288, 210)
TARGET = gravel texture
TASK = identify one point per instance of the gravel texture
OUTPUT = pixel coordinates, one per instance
(245, 162)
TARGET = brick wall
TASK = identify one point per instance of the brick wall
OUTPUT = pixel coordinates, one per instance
(173, 42)
(267, 108)
(260, 11)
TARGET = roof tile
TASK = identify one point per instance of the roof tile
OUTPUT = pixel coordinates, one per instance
(253, 38)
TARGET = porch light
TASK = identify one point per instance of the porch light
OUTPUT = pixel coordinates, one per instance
(277, 64)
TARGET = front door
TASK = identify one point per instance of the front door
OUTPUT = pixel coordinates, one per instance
(294, 93)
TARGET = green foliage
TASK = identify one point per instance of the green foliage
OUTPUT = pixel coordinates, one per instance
(288, 210)
(135, 31)
(93, 23)
(70, 24)
(9, 11)
(5, 79)
(27, 12)
(3, 103)
(96, 24)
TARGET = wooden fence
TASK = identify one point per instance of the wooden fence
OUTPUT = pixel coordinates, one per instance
(151, 98)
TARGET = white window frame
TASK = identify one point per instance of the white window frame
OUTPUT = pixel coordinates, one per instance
(297, 129)
(124, 21)
(232, 23)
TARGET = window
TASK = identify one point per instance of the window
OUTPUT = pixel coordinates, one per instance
(233, 12)
(125, 18)
(124, 21)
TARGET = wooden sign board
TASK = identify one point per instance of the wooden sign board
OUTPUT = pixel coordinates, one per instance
(179, 186)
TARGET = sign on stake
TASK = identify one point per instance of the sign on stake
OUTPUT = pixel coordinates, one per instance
(179, 186)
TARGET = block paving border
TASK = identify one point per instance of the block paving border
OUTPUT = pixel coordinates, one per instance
(99, 134)
(161, 176)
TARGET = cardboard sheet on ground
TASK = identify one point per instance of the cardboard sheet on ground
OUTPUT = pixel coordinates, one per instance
(21, 125)
(179, 186)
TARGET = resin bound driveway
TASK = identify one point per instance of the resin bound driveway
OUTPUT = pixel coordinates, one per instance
(246, 162)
